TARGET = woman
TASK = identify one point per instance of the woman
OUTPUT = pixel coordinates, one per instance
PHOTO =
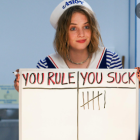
(78, 43)
(77, 40)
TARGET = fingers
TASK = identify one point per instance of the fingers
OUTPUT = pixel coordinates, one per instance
(138, 68)
(17, 75)
(16, 81)
(16, 85)
(138, 72)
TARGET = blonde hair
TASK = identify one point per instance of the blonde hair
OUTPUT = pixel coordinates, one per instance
(61, 42)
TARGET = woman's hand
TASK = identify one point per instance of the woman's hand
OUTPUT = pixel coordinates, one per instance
(16, 82)
(138, 74)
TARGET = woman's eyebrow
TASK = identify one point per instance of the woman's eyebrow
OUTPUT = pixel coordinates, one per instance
(76, 24)
(73, 23)
(86, 22)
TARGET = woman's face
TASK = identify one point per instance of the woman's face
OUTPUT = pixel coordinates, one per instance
(79, 33)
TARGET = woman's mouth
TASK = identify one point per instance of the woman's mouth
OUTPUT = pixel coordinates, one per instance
(81, 41)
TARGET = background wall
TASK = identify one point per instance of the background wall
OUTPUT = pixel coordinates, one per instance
(132, 35)
(27, 36)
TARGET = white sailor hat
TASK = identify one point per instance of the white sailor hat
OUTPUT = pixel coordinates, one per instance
(65, 4)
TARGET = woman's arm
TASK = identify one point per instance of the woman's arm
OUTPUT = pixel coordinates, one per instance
(42, 64)
(113, 60)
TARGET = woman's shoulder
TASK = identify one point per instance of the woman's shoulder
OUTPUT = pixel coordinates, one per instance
(50, 61)
(42, 63)
(113, 61)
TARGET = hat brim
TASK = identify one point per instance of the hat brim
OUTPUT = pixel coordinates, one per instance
(64, 5)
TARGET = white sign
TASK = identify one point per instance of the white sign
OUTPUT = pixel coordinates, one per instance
(85, 104)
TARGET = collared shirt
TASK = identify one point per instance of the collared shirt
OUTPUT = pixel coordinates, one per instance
(102, 59)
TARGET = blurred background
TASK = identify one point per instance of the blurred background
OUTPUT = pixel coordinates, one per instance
(26, 36)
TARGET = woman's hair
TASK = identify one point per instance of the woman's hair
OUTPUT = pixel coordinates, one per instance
(61, 42)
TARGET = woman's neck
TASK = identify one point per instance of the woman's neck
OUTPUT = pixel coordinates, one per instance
(76, 57)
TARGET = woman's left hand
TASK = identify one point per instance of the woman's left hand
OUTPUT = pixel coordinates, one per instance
(138, 74)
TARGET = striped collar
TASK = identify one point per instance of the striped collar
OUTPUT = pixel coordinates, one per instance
(95, 62)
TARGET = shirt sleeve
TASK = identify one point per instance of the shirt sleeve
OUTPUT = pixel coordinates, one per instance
(113, 60)
(42, 64)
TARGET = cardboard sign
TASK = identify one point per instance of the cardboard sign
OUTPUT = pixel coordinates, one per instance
(84, 104)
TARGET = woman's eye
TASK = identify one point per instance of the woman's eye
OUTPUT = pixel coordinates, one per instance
(73, 29)
(86, 27)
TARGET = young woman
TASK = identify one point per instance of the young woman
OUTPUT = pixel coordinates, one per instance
(78, 43)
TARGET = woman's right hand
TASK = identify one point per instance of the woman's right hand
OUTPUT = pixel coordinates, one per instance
(16, 82)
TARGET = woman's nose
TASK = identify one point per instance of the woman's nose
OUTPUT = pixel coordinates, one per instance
(81, 32)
